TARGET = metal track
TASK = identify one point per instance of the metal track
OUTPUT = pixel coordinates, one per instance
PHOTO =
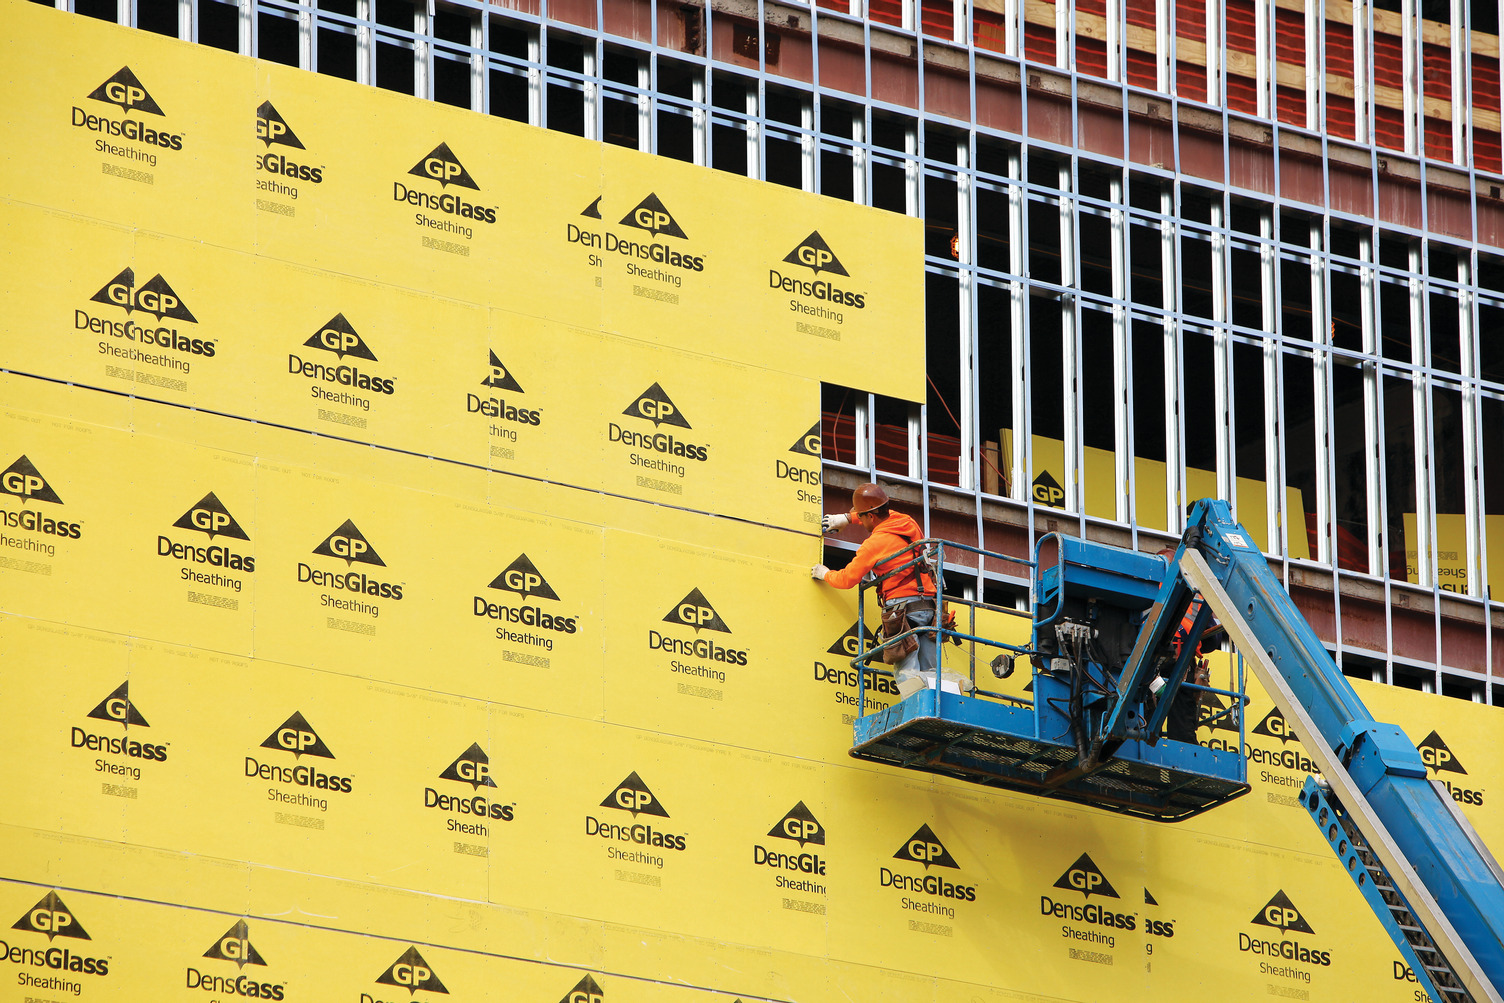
(1431, 967)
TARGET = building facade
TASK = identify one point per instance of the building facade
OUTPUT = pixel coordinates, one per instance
(1250, 250)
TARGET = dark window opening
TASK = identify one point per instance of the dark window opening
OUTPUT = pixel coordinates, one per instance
(1299, 393)
(1363, 667)
(1491, 452)
(1346, 242)
(993, 156)
(1044, 240)
(1248, 218)
(103, 10)
(1295, 297)
(676, 135)
(1196, 275)
(394, 67)
(1149, 369)
(993, 230)
(451, 26)
(890, 132)
(1099, 396)
(336, 53)
(566, 55)
(1247, 289)
(158, 16)
(784, 106)
(1199, 399)
(676, 79)
(1399, 469)
(1459, 688)
(729, 149)
(219, 25)
(1490, 345)
(1404, 675)
(395, 14)
(1483, 15)
(277, 39)
(1249, 426)
(892, 419)
(1347, 310)
(784, 166)
(1147, 374)
(1098, 383)
(1148, 265)
(837, 177)
(1096, 252)
(1395, 326)
(508, 41)
(1143, 193)
(1441, 263)
(838, 431)
(1046, 370)
(941, 145)
(1446, 456)
(619, 122)
(837, 119)
(730, 93)
(1196, 205)
(1394, 251)
(1095, 182)
(1349, 444)
(940, 216)
(942, 319)
(1446, 347)
(1044, 171)
(996, 377)
(566, 109)
(888, 188)
(620, 67)
(451, 82)
(509, 95)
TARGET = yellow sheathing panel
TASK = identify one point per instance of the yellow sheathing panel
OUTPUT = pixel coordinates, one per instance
(130, 128)
(266, 161)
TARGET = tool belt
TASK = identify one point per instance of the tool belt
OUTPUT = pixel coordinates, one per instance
(895, 621)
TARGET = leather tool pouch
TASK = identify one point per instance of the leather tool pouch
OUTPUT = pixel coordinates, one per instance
(895, 622)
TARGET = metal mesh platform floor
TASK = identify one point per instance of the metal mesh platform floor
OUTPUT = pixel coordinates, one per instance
(1031, 766)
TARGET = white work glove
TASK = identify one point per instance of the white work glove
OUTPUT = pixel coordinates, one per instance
(818, 572)
(834, 523)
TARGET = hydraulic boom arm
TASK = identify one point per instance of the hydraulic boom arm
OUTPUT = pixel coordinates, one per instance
(1433, 883)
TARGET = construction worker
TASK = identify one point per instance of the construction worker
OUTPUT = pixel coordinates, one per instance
(1185, 713)
(911, 591)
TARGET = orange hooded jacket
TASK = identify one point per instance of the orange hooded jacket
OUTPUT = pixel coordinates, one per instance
(889, 537)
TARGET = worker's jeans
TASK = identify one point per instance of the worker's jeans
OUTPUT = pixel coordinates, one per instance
(919, 664)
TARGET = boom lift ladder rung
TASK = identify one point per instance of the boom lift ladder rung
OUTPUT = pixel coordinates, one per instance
(1417, 947)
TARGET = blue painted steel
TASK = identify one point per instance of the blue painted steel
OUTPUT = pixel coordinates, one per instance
(1124, 578)
(1037, 746)
(989, 743)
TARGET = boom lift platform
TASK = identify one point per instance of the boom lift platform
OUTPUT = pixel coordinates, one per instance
(1114, 634)
(1086, 736)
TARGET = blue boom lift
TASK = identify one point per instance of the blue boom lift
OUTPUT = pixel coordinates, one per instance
(1114, 637)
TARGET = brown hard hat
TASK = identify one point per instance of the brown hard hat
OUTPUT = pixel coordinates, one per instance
(868, 497)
